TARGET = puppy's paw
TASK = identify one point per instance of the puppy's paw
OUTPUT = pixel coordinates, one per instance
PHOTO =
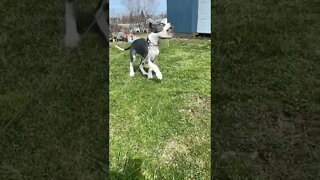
(131, 74)
(159, 75)
(150, 76)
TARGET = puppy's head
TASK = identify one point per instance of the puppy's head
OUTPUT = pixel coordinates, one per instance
(164, 29)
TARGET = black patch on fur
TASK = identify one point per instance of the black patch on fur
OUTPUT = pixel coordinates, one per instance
(140, 47)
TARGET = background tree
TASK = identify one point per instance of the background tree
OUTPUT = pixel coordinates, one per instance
(137, 6)
(131, 17)
(142, 14)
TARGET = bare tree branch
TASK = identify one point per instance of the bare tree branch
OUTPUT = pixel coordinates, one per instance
(136, 6)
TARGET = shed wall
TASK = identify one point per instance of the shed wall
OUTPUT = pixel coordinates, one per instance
(204, 17)
(183, 14)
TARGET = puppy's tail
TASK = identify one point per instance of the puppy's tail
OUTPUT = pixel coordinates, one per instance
(122, 49)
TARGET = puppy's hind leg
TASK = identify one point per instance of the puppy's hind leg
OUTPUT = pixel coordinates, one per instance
(132, 59)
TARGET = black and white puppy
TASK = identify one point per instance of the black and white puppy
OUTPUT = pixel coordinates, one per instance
(72, 38)
(148, 48)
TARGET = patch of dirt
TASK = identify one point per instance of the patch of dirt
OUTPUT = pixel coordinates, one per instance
(201, 101)
(198, 106)
(172, 149)
(180, 146)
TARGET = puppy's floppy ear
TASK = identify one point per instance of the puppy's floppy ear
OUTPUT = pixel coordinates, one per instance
(151, 27)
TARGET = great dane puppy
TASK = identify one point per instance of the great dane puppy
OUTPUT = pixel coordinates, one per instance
(72, 38)
(148, 48)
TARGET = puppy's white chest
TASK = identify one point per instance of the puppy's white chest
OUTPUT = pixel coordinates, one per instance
(153, 52)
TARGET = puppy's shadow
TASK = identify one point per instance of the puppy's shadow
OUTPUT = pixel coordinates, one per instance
(131, 171)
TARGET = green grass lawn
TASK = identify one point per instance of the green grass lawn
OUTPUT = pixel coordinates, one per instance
(266, 92)
(52, 102)
(161, 130)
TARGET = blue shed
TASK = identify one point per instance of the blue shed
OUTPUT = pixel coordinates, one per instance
(190, 16)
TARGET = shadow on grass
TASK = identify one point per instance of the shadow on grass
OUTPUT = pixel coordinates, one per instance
(131, 170)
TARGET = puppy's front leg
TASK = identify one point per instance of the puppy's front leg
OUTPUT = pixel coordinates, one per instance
(154, 67)
(141, 66)
(150, 73)
(142, 70)
(101, 17)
